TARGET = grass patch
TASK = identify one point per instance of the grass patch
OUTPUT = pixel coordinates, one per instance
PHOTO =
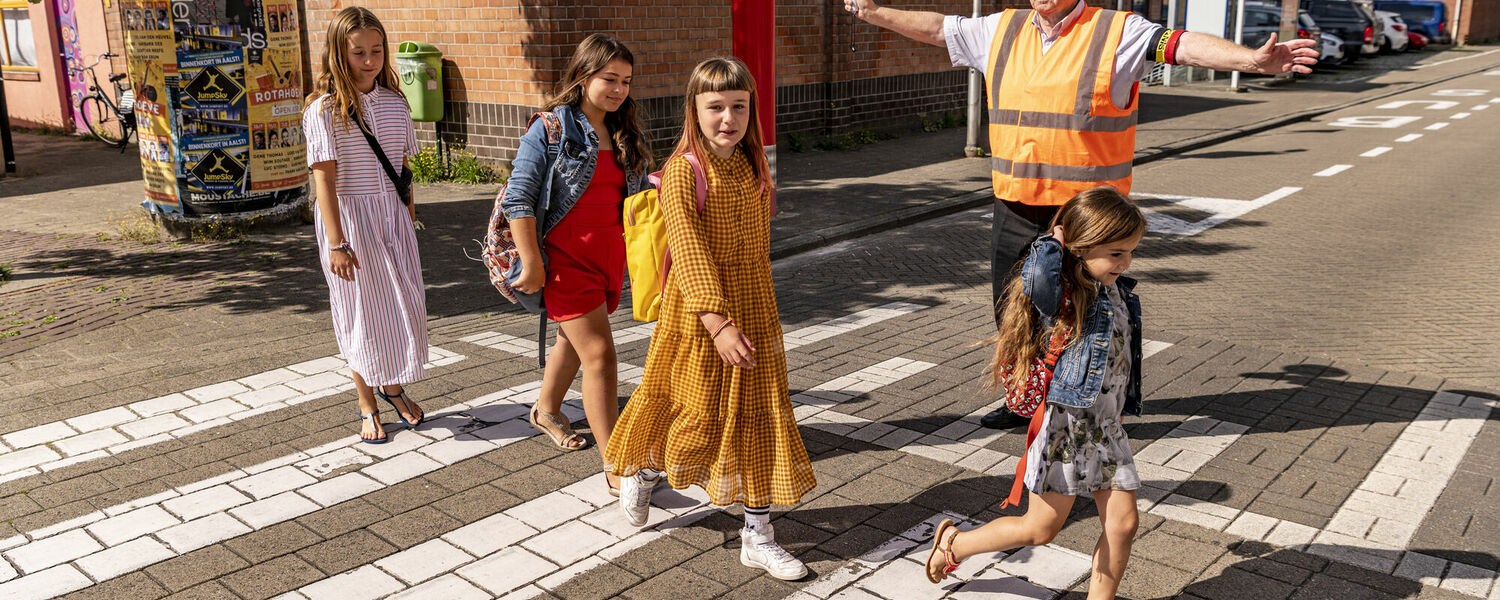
(851, 140)
(5, 272)
(138, 227)
(457, 165)
(941, 121)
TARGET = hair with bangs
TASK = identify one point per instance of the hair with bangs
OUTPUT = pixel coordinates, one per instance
(336, 80)
(723, 74)
(1093, 218)
(633, 151)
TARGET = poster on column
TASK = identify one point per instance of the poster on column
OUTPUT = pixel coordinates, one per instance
(223, 92)
(277, 155)
(152, 63)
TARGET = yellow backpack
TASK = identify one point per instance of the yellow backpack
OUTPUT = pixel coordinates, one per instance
(646, 252)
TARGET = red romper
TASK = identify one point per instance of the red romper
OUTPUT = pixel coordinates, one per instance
(586, 251)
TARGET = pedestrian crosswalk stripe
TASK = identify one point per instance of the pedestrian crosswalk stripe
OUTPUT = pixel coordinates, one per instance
(896, 569)
(1221, 210)
(793, 339)
(120, 429)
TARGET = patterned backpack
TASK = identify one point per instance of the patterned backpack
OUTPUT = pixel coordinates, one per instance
(499, 253)
(1024, 399)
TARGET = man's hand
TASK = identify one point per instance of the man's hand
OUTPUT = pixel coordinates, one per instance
(860, 8)
(1296, 55)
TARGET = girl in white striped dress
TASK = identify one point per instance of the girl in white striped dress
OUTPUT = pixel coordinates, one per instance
(366, 238)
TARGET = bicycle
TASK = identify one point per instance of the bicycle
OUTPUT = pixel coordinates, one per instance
(113, 123)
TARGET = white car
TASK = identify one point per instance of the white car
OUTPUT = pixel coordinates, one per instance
(1396, 39)
(1333, 50)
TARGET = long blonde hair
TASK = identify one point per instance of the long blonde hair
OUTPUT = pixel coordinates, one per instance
(1093, 218)
(633, 152)
(723, 74)
(336, 81)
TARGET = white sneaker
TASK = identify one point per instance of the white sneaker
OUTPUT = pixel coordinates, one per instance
(635, 499)
(759, 549)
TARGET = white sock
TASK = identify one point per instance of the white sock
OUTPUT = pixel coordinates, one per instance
(757, 518)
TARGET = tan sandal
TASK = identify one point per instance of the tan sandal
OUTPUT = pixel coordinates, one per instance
(653, 478)
(950, 565)
(561, 440)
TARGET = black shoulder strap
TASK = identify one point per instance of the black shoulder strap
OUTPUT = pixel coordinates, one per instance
(385, 163)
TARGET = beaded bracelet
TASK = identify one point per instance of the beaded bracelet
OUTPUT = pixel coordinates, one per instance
(722, 327)
(345, 247)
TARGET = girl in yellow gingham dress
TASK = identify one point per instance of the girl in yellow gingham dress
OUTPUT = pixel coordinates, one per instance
(702, 414)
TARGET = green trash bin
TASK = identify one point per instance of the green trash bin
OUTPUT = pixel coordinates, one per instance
(420, 67)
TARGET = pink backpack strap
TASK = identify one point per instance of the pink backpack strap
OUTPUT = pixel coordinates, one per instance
(700, 179)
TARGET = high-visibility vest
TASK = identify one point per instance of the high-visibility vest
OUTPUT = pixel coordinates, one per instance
(1054, 130)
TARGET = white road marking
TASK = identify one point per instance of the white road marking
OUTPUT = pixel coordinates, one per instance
(1410, 137)
(1376, 151)
(1221, 209)
(114, 430)
(1444, 62)
(800, 337)
(1480, 107)
(1436, 126)
(1333, 170)
(895, 569)
(1430, 104)
(1376, 521)
(1377, 122)
(581, 519)
(1461, 115)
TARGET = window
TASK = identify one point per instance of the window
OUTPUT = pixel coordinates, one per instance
(19, 52)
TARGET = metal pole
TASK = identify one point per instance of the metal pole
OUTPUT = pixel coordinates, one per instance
(1239, 39)
(1166, 78)
(976, 84)
(6, 149)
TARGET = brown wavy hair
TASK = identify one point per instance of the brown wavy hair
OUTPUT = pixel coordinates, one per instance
(723, 74)
(335, 80)
(632, 150)
(1093, 218)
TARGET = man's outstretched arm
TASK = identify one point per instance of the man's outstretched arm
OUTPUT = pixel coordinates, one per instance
(1219, 54)
(922, 26)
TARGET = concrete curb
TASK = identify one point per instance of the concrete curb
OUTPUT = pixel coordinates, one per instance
(830, 235)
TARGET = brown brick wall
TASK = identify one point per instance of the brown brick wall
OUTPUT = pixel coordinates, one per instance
(502, 56)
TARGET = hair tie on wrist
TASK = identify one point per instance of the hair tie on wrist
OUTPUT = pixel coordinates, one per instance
(722, 327)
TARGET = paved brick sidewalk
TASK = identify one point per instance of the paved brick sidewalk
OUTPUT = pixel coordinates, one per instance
(205, 448)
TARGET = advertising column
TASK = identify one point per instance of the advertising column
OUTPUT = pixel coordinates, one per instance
(221, 134)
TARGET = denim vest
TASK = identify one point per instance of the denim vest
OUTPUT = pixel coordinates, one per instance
(1079, 374)
(535, 189)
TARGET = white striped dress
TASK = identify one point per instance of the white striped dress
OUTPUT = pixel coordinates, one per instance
(380, 318)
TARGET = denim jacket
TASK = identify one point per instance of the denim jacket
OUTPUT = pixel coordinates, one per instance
(535, 189)
(1079, 374)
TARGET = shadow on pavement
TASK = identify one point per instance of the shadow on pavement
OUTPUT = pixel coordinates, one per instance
(48, 163)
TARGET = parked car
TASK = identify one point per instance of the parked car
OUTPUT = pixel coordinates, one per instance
(1332, 50)
(1418, 41)
(1373, 37)
(1393, 32)
(1342, 19)
(1427, 17)
(1263, 19)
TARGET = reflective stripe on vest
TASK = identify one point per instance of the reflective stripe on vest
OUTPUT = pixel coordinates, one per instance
(1054, 129)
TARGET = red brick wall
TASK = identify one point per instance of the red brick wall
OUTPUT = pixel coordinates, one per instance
(502, 56)
(1481, 21)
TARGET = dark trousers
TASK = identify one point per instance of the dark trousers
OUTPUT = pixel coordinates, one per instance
(1015, 226)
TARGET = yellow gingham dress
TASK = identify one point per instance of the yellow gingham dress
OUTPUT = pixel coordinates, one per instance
(722, 428)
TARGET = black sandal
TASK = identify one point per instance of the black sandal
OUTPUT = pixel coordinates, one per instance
(404, 400)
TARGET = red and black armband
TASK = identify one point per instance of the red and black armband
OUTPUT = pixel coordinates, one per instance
(1165, 43)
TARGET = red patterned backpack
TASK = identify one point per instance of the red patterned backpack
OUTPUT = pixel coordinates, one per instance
(1025, 398)
(499, 254)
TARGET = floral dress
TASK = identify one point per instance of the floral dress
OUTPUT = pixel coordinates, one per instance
(1085, 450)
